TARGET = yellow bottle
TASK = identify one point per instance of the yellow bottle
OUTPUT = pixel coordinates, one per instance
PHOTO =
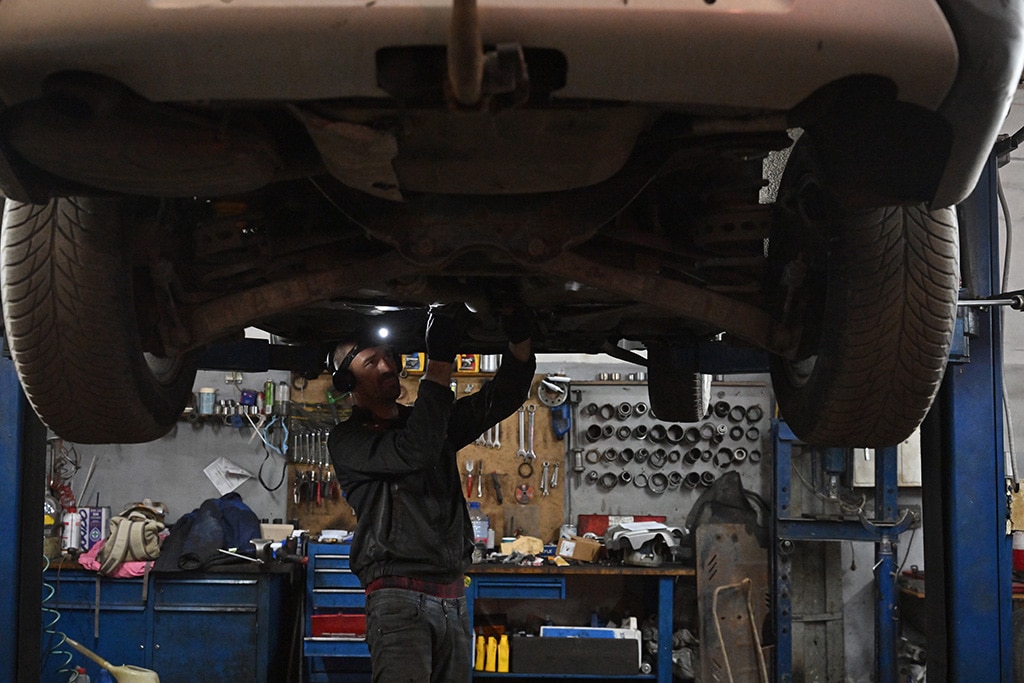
(479, 663)
(492, 654)
(503, 654)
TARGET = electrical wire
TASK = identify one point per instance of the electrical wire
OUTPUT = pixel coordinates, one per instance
(1005, 284)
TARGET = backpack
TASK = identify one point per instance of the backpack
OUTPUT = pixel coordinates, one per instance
(134, 536)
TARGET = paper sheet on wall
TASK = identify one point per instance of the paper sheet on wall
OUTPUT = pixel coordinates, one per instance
(225, 475)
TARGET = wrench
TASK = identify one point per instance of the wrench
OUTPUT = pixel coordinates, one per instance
(530, 454)
(480, 480)
(497, 435)
(522, 432)
(544, 480)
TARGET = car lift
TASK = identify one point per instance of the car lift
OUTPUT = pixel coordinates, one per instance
(965, 508)
(967, 552)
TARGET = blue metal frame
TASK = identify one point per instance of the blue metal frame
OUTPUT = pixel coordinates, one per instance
(883, 531)
(12, 473)
(967, 577)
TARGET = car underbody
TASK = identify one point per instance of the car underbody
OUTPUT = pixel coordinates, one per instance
(169, 209)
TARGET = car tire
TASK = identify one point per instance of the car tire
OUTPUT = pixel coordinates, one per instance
(676, 393)
(71, 324)
(875, 292)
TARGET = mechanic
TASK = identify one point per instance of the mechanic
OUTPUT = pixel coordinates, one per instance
(397, 465)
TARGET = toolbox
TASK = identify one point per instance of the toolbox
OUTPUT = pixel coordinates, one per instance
(591, 656)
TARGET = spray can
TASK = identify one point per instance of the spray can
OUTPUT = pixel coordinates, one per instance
(71, 532)
(268, 397)
(282, 397)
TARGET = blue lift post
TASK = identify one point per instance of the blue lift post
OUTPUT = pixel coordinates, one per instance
(22, 469)
(968, 564)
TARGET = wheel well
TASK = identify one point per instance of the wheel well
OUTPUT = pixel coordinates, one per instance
(875, 150)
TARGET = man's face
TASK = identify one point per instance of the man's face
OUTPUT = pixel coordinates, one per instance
(376, 376)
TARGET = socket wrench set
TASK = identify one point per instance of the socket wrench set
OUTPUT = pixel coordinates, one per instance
(620, 444)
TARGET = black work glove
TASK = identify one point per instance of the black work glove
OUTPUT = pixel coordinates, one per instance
(516, 323)
(445, 326)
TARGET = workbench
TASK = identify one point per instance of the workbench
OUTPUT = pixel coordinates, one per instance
(231, 623)
(502, 582)
(495, 588)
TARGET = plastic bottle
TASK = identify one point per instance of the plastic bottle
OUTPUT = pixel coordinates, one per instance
(492, 654)
(503, 654)
(481, 654)
(480, 523)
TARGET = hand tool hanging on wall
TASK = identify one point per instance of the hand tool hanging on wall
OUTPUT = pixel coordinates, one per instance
(531, 410)
(497, 488)
(522, 432)
(469, 478)
(480, 479)
(561, 420)
(544, 480)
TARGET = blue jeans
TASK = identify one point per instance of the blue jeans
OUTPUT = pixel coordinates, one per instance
(414, 637)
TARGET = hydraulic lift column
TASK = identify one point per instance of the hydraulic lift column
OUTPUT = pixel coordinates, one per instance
(22, 471)
(967, 547)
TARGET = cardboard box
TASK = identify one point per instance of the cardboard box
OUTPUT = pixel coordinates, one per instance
(584, 656)
(94, 523)
(598, 524)
(276, 532)
(579, 548)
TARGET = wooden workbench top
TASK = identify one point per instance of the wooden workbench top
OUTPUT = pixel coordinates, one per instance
(582, 569)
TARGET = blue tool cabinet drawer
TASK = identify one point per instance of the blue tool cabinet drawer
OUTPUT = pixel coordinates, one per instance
(80, 590)
(207, 592)
(334, 578)
(546, 588)
(331, 561)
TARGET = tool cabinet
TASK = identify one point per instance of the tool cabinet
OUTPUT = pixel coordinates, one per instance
(331, 587)
(230, 625)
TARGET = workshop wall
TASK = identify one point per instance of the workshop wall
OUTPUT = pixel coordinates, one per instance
(170, 469)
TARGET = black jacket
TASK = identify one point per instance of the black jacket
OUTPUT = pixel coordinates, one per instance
(403, 481)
